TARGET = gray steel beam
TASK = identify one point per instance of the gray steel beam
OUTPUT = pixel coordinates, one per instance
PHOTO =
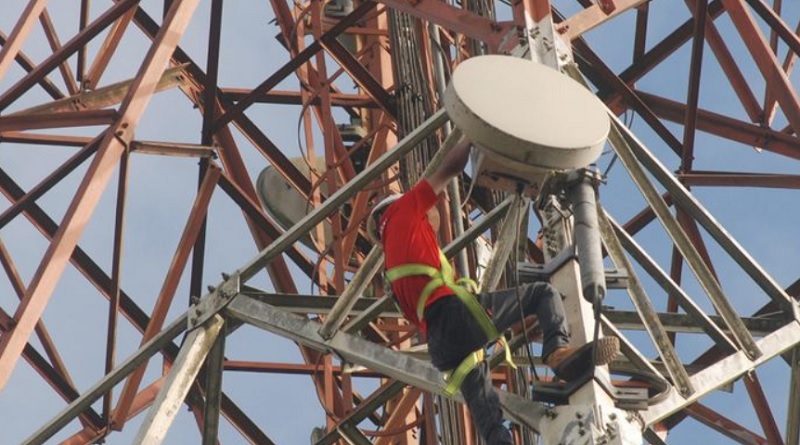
(671, 287)
(637, 359)
(478, 227)
(506, 240)
(684, 198)
(644, 307)
(725, 371)
(351, 348)
(624, 148)
(357, 350)
(686, 324)
(626, 320)
(91, 395)
(352, 434)
(375, 310)
(793, 412)
(345, 302)
(213, 386)
(180, 379)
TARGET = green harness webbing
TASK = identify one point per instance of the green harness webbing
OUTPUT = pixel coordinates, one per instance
(462, 288)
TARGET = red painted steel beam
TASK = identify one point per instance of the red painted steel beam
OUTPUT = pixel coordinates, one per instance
(778, 25)
(766, 60)
(55, 378)
(763, 411)
(116, 272)
(28, 18)
(66, 51)
(455, 19)
(329, 134)
(729, 66)
(41, 330)
(360, 75)
(770, 100)
(631, 97)
(210, 85)
(85, 436)
(238, 176)
(67, 119)
(537, 9)
(294, 98)
(91, 78)
(693, 93)
(84, 264)
(44, 139)
(91, 188)
(83, 20)
(593, 16)
(194, 223)
(667, 46)
(724, 426)
(640, 35)
(6, 321)
(288, 68)
(726, 127)
(21, 204)
(55, 44)
(28, 65)
(739, 179)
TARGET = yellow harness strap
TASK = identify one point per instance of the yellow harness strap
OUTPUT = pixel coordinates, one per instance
(463, 289)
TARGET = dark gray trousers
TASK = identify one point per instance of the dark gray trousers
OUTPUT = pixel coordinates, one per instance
(453, 334)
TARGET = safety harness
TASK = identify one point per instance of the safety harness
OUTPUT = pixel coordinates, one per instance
(464, 289)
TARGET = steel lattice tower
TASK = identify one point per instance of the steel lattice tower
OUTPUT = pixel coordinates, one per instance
(133, 135)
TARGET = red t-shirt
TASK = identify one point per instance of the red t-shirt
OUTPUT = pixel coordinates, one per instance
(409, 238)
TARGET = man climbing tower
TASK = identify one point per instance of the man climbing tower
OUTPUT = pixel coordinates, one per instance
(459, 324)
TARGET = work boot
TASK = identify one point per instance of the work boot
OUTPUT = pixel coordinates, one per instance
(570, 362)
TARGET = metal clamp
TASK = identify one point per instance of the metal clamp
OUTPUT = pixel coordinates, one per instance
(215, 301)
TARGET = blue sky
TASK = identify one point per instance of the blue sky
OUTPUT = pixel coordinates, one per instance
(162, 190)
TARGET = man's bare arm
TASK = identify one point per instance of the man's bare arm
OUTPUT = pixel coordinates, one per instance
(452, 165)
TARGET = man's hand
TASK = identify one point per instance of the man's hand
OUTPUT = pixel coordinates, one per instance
(452, 165)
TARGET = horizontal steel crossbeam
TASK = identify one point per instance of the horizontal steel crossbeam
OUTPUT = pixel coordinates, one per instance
(354, 349)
